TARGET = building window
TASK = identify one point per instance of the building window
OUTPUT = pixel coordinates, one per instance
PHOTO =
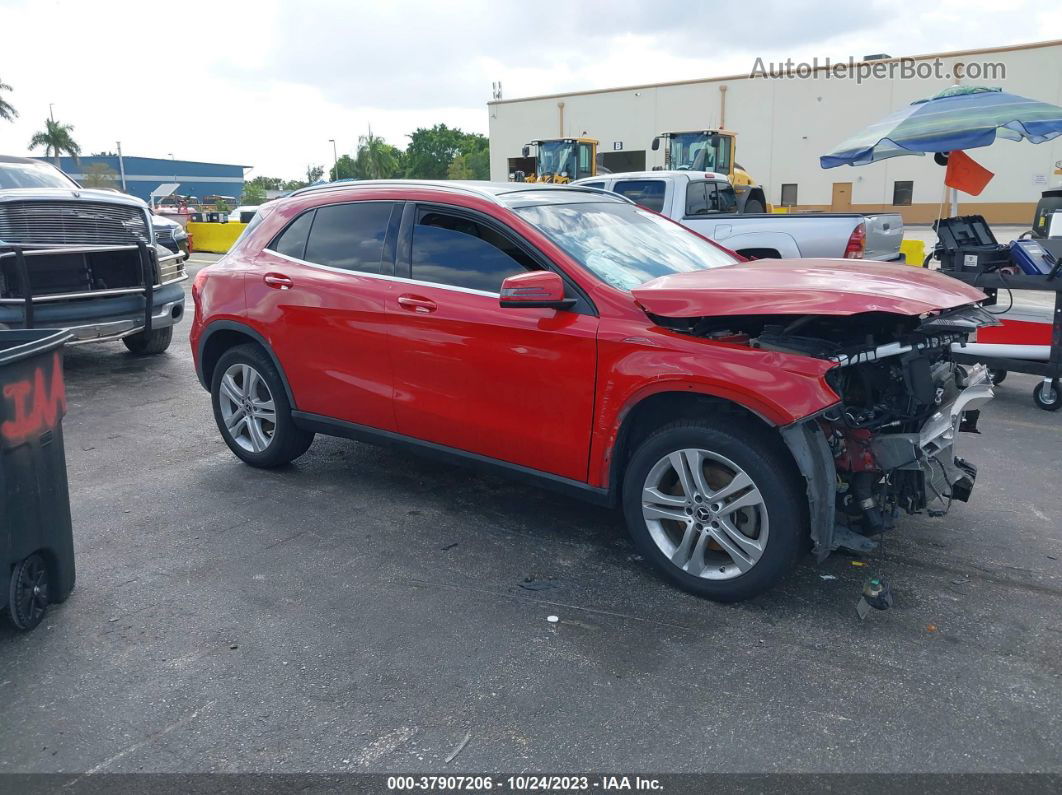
(789, 194)
(901, 192)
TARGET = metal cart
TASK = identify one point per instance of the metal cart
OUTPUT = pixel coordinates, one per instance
(1047, 394)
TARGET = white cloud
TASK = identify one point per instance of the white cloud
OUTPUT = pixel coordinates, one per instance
(268, 83)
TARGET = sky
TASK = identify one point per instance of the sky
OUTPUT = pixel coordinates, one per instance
(268, 83)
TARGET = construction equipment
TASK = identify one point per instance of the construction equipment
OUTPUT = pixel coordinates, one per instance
(560, 160)
(712, 150)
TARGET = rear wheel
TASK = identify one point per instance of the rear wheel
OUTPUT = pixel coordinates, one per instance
(252, 410)
(753, 206)
(716, 508)
(147, 343)
(997, 376)
(28, 593)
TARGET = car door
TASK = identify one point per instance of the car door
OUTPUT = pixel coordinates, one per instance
(319, 290)
(511, 384)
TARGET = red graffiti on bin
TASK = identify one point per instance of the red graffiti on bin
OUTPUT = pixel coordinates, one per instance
(36, 408)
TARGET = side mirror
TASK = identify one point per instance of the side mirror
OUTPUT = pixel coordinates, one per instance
(534, 290)
(526, 151)
(656, 143)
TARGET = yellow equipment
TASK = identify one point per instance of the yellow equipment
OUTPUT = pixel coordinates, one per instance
(712, 150)
(560, 160)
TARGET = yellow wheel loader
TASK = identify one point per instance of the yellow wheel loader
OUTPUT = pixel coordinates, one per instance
(560, 160)
(712, 150)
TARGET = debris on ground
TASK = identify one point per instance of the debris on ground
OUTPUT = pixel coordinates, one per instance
(552, 619)
(449, 547)
(533, 584)
(827, 577)
(459, 748)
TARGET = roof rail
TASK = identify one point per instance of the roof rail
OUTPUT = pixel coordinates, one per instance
(452, 185)
(526, 186)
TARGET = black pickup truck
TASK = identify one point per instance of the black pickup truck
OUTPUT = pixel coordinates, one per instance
(83, 260)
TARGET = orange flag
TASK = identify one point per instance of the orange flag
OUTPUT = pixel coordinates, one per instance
(966, 174)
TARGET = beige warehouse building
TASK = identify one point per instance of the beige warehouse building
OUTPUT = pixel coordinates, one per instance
(785, 124)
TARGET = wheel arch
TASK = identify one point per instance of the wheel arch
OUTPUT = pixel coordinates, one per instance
(223, 335)
(648, 412)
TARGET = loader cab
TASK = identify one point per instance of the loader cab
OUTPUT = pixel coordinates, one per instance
(699, 150)
(561, 160)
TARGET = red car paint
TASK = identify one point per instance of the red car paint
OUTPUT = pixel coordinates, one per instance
(541, 388)
(796, 287)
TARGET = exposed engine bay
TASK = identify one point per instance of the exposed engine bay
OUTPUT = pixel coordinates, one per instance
(890, 440)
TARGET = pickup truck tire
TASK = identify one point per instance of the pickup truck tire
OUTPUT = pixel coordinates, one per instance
(728, 532)
(252, 410)
(149, 343)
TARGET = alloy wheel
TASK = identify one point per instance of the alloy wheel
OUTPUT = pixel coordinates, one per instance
(29, 592)
(247, 408)
(705, 514)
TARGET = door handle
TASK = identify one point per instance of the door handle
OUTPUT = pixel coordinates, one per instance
(278, 281)
(414, 303)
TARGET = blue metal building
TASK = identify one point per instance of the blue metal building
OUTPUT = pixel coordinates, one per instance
(144, 174)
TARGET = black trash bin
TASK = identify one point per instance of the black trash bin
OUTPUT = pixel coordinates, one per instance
(36, 539)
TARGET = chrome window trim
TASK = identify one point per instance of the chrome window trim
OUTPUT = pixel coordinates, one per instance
(385, 276)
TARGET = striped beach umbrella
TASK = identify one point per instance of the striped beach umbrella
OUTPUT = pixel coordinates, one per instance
(960, 117)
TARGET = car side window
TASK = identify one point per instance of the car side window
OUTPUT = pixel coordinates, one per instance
(349, 236)
(696, 200)
(593, 184)
(649, 193)
(458, 251)
(292, 241)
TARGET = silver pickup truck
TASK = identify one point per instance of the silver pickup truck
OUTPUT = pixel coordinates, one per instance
(705, 202)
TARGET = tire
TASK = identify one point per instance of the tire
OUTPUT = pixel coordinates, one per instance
(1048, 397)
(753, 206)
(997, 376)
(773, 517)
(149, 343)
(28, 593)
(258, 436)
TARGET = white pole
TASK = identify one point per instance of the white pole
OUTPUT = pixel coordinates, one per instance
(954, 203)
(121, 164)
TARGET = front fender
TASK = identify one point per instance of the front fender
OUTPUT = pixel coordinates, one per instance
(779, 388)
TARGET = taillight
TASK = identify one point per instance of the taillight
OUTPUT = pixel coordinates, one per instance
(857, 242)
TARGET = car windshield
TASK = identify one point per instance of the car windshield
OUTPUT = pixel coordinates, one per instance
(556, 158)
(33, 175)
(622, 244)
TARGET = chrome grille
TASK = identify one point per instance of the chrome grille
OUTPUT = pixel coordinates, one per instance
(170, 270)
(165, 233)
(71, 223)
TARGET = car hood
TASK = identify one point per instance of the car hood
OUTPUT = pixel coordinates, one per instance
(69, 194)
(803, 287)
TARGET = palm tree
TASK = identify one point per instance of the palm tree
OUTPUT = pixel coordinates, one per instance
(56, 139)
(376, 158)
(7, 111)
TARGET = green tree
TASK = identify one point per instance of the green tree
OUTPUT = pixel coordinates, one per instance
(314, 173)
(344, 168)
(293, 184)
(100, 175)
(7, 110)
(56, 138)
(431, 150)
(376, 159)
(253, 193)
(267, 183)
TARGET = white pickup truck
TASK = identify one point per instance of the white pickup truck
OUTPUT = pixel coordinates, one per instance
(705, 202)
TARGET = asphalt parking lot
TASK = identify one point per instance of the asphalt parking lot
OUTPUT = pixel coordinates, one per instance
(364, 609)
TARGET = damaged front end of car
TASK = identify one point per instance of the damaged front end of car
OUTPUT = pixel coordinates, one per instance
(889, 445)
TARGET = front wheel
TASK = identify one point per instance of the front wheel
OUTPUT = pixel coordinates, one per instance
(716, 508)
(252, 410)
(145, 343)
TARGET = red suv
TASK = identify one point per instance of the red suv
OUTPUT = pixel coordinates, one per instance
(739, 412)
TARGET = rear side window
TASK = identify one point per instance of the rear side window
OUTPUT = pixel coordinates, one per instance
(292, 241)
(696, 200)
(649, 193)
(454, 250)
(349, 236)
